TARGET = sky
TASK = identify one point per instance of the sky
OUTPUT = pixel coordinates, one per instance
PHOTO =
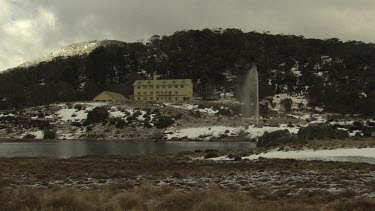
(32, 28)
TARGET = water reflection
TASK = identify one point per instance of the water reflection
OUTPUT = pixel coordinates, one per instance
(65, 149)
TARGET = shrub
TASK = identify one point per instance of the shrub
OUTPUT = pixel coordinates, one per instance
(178, 116)
(163, 122)
(200, 106)
(112, 121)
(41, 115)
(98, 114)
(76, 124)
(211, 155)
(29, 136)
(89, 128)
(195, 113)
(86, 122)
(49, 134)
(78, 107)
(225, 112)
(287, 104)
(120, 123)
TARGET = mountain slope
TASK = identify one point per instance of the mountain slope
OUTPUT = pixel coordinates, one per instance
(339, 76)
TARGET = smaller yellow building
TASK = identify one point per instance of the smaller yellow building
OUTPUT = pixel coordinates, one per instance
(113, 97)
(163, 90)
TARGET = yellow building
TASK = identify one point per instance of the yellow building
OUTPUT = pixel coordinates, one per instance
(163, 90)
(113, 97)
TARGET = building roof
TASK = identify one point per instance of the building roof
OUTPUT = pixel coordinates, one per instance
(114, 95)
(163, 82)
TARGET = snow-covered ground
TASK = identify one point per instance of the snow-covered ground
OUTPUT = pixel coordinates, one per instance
(187, 106)
(366, 155)
(215, 131)
(299, 101)
(76, 49)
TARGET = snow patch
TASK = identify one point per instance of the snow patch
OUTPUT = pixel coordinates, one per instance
(342, 154)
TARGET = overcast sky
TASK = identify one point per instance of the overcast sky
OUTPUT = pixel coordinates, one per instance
(31, 28)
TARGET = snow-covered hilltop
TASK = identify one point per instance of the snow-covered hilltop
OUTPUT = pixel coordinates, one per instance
(76, 49)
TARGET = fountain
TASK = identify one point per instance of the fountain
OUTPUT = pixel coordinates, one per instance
(250, 95)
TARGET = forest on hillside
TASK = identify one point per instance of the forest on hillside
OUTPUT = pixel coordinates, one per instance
(339, 76)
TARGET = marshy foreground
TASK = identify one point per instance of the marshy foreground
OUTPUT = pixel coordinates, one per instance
(183, 181)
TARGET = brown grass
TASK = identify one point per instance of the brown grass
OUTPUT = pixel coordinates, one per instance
(148, 197)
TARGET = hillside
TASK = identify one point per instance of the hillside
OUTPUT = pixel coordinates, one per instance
(337, 76)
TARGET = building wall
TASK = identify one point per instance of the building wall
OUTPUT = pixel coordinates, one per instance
(163, 92)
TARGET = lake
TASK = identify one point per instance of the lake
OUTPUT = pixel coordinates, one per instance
(66, 149)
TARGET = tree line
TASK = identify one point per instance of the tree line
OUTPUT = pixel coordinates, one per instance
(336, 75)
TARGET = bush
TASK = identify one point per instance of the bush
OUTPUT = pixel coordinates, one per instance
(41, 115)
(211, 155)
(98, 114)
(120, 123)
(29, 136)
(76, 124)
(86, 122)
(112, 121)
(287, 104)
(49, 134)
(178, 116)
(164, 122)
(89, 128)
(78, 107)
(225, 112)
(321, 131)
(195, 113)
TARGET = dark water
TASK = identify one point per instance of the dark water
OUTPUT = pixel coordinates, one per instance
(66, 149)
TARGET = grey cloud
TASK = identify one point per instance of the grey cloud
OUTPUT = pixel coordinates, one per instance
(58, 23)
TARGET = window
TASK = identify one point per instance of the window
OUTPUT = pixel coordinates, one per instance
(150, 98)
(145, 87)
(176, 86)
(139, 87)
(182, 86)
(145, 93)
(170, 92)
(157, 93)
(139, 98)
(176, 92)
(157, 98)
(176, 98)
(170, 86)
(151, 93)
(139, 93)
(157, 86)
(163, 86)
(151, 87)
(170, 98)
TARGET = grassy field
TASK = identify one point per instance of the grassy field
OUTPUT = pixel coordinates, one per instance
(179, 182)
(148, 197)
